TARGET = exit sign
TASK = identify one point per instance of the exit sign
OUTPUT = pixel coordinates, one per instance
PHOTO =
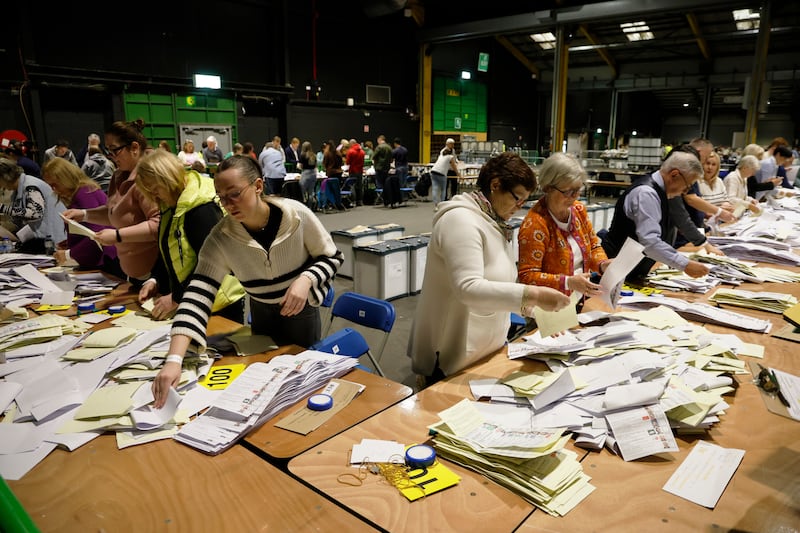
(457, 123)
(483, 62)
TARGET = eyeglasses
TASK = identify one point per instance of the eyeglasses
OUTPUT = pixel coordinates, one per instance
(232, 197)
(570, 193)
(688, 185)
(117, 149)
(517, 199)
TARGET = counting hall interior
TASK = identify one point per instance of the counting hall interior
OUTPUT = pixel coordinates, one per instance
(544, 431)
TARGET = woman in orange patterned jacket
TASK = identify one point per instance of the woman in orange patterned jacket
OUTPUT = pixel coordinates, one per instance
(557, 246)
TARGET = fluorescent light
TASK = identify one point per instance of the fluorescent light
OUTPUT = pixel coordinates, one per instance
(633, 133)
(466, 75)
(636, 31)
(686, 104)
(599, 130)
(547, 41)
(207, 81)
(746, 19)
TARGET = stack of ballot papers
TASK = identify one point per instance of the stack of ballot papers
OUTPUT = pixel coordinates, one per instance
(772, 302)
(259, 393)
(698, 311)
(528, 460)
(34, 331)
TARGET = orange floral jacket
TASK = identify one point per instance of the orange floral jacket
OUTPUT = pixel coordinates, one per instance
(545, 255)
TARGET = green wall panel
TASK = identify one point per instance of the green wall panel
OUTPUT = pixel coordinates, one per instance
(459, 99)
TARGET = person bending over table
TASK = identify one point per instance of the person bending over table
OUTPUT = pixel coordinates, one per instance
(76, 190)
(188, 214)
(279, 251)
(33, 208)
(642, 213)
(470, 286)
(558, 247)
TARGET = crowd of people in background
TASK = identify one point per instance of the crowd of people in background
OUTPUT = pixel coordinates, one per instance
(193, 230)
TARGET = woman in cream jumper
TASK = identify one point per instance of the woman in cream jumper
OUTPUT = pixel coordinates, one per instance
(279, 251)
(470, 286)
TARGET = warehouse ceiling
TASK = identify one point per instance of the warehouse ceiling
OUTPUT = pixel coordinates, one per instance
(696, 50)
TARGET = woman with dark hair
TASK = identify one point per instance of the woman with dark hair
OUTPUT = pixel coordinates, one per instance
(133, 217)
(470, 287)
(279, 251)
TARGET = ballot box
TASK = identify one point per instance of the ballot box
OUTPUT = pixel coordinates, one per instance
(381, 269)
(417, 257)
(346, 239)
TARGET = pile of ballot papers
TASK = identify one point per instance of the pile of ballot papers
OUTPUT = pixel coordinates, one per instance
(259, 393)
(625, 385)
(772, 302)
(502, 445)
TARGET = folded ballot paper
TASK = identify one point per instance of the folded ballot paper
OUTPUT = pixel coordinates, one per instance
(772, 302)
(259, 393)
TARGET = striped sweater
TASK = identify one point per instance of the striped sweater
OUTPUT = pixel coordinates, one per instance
(302, 247)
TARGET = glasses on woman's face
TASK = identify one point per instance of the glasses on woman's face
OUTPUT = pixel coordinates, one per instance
(570, 193)
(233, 197)
(115, 150)
(517, 199)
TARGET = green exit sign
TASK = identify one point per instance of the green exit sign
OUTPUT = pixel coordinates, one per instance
(483, 62)
(457, 123)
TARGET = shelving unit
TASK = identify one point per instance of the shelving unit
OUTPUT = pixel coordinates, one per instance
(644, 151)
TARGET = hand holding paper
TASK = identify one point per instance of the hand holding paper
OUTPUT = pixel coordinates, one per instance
(79, 229)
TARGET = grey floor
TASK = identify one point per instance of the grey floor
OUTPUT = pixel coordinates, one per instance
(415, 218)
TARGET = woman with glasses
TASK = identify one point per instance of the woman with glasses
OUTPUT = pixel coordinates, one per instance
(558, 247)
(470, 287)
(188, 214)
(133, 217)
(279, 251)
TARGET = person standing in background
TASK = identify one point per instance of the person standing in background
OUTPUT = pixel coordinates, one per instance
(452, 175)
(292, 154)
(441, 168)
(92, 140)
(308, 175)
(382, 162)
(274, 171)
(355, 163)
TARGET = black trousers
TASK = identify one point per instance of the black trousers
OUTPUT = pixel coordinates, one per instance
(303, 329)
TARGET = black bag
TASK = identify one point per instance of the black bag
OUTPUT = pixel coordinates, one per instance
(423, 185)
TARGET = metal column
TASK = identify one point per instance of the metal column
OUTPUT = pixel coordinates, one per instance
(753, 97)
(558, 109)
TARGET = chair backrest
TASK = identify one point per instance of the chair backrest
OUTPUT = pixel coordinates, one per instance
(348, 184)
(328, 301)
(365, 310)
(346, 341)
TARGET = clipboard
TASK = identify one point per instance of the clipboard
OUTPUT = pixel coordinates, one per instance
(771, 401)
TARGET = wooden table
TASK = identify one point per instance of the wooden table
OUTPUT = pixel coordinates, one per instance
(167, 486)
(476, 503)
(761, 496)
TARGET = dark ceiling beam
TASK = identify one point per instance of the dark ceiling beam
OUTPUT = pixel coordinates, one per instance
(518, 54)
(540, 20)
(698, 34)
(602, 52)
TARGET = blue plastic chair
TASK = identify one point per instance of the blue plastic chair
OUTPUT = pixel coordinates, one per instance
(345, 342)
(362, 310)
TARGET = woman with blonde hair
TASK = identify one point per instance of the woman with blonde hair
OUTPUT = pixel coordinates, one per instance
(189, 212)
(76, 190)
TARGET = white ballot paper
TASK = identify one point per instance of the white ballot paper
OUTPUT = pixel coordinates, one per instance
(614, 276)
(641, 431)
(704, 474)
(77, 228)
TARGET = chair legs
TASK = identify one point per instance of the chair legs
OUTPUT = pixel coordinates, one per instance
(375, 364)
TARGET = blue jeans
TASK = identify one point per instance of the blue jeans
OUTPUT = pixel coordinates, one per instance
(438, 187)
